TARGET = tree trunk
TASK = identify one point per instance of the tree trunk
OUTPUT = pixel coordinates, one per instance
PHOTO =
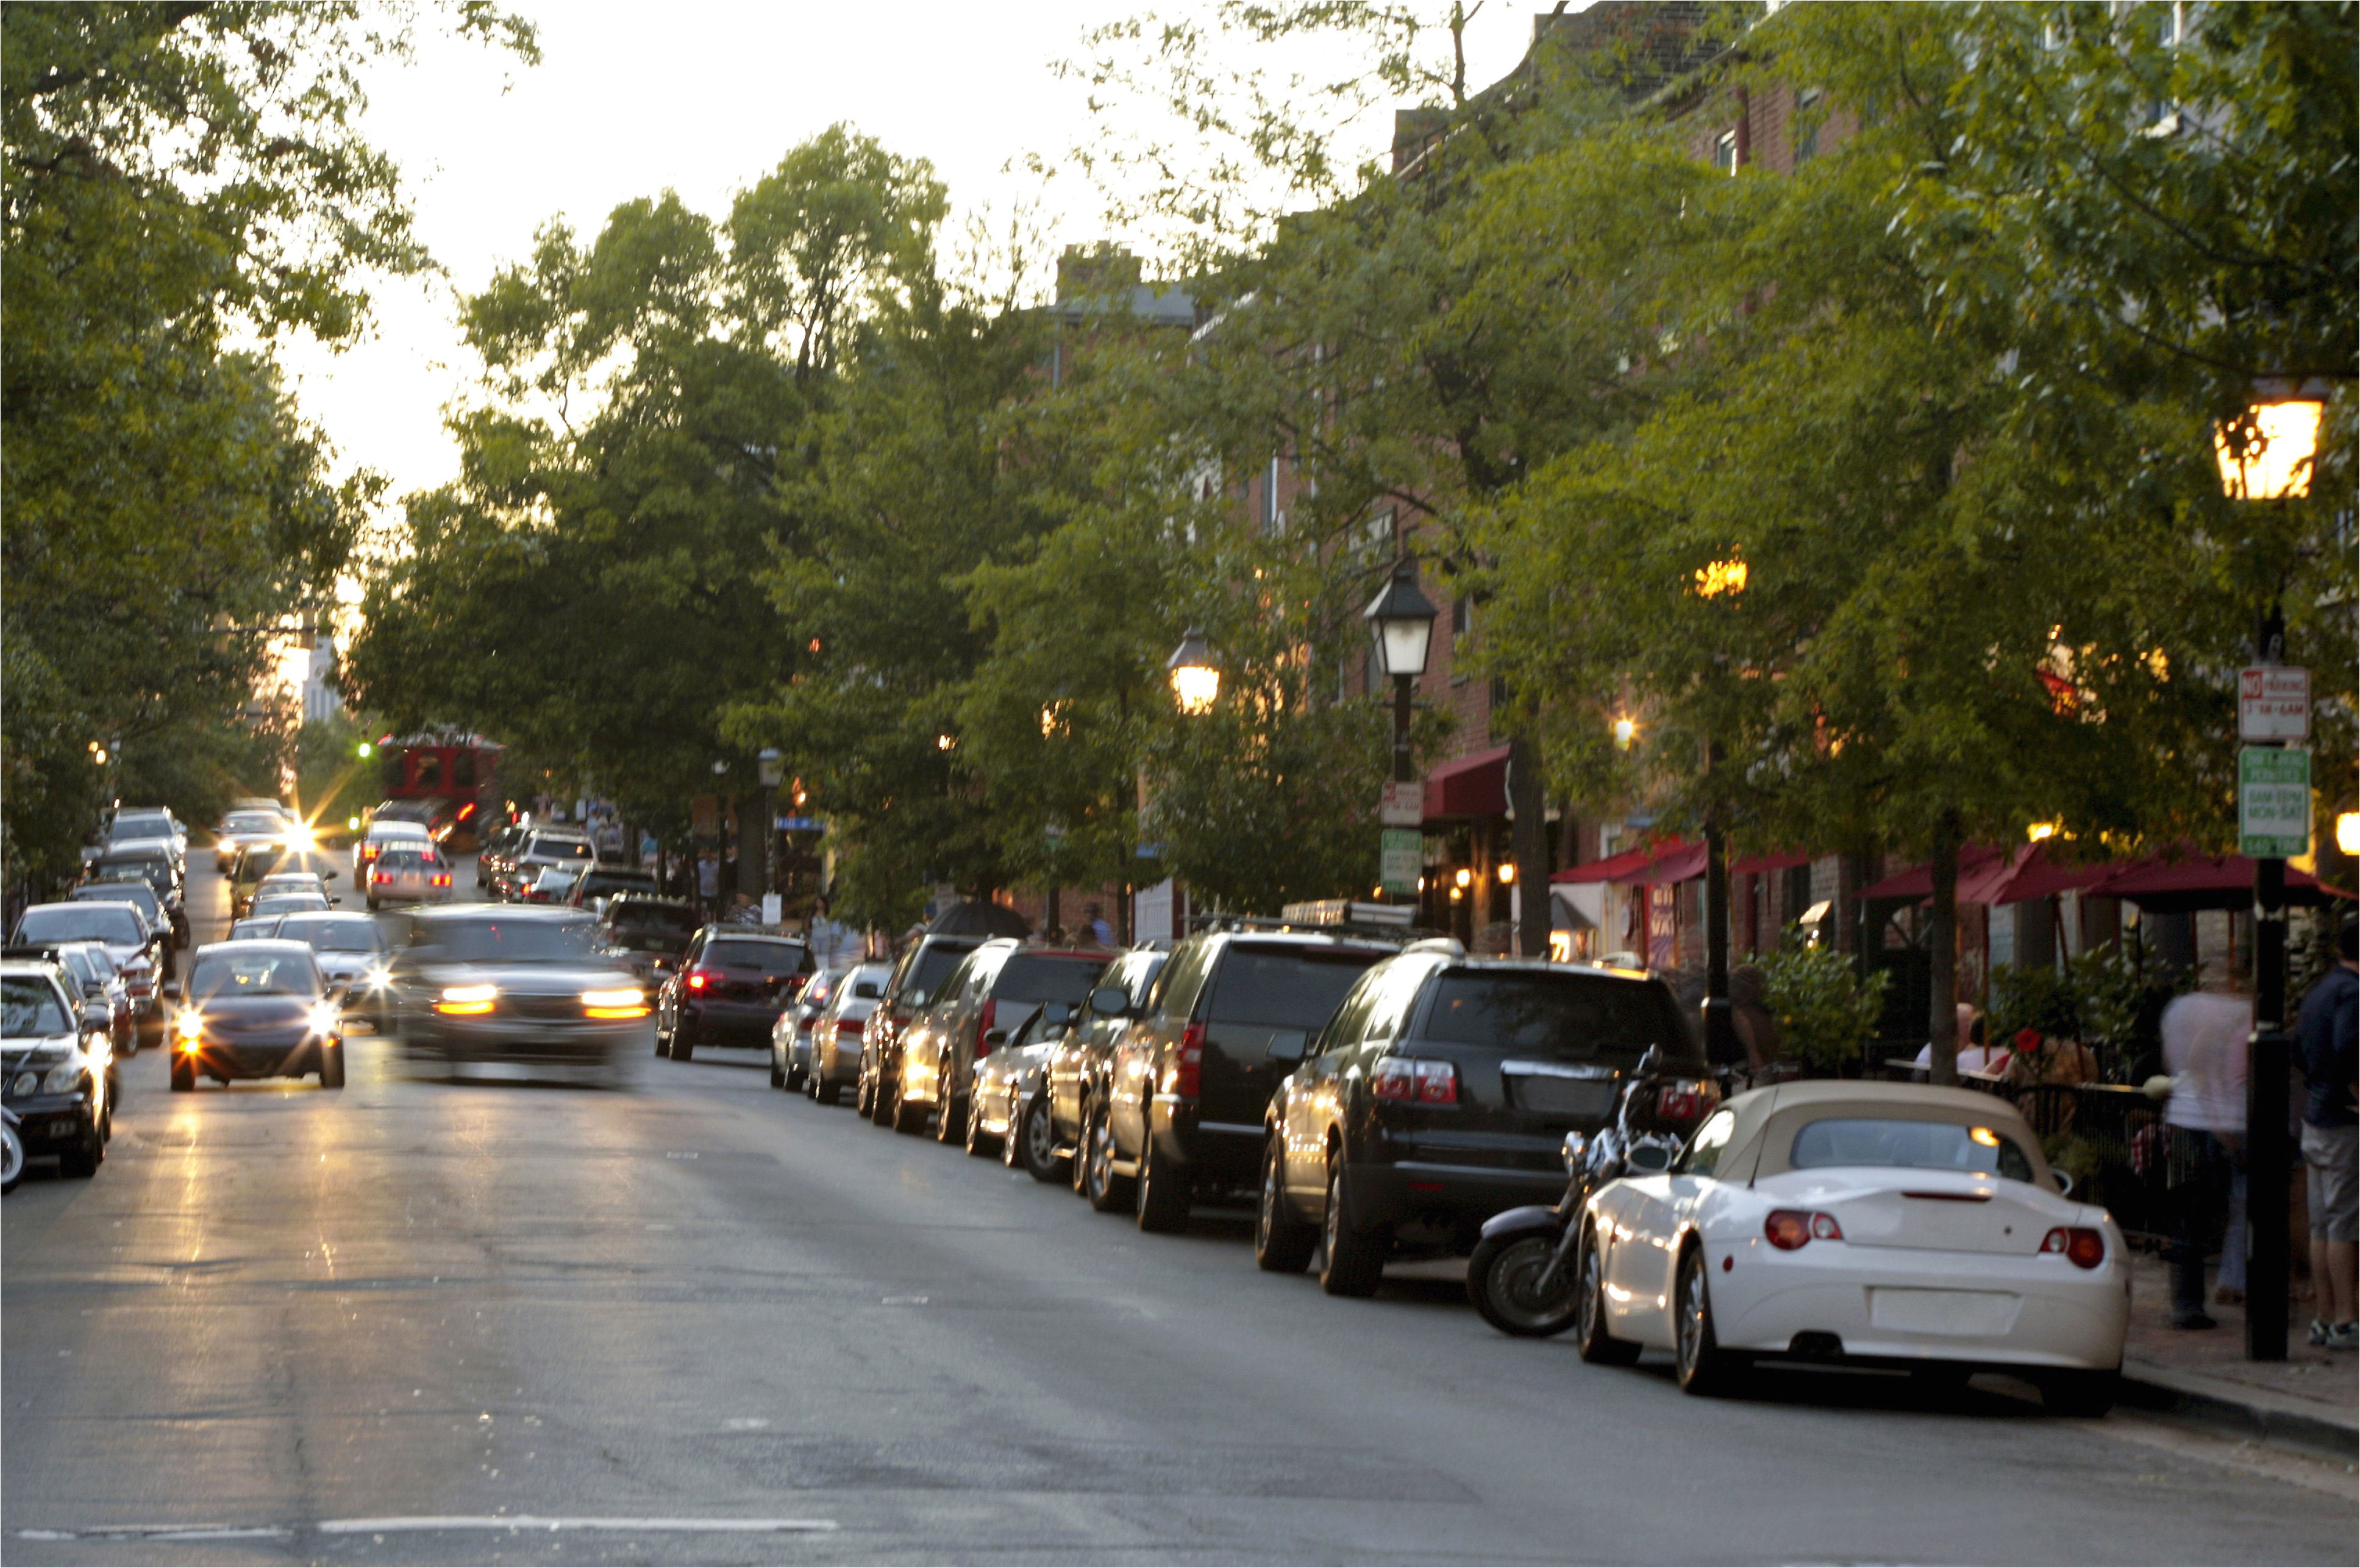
(1942, 995)
(1530, 843)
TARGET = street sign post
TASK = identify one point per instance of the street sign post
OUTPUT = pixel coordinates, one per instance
(1398, 859)
(2273, 802)
(2273, 704)
(1402, 805)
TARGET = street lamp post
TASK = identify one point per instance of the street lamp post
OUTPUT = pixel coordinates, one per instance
(2266, 456)
(1195, 677)
(1719, 579)
(1402, 618)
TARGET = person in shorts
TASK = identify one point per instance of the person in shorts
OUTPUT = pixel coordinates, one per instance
(2326, 1032)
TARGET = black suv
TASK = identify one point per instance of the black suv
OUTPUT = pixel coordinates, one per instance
(1189, 1079)
(992, 988)
(1077, 1066)
(731, 987)
(1438, 1096)
(917, 974)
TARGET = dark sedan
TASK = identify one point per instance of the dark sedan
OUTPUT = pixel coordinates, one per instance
(495, 982)
(255, 1009)
(731, 987)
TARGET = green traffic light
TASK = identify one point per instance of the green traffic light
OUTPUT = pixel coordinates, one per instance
(365, 749)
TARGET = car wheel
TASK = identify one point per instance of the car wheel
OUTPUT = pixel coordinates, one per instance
(1161, 1193)
(332, 1068)
(184, 1075)
(1105, 1191)
(684, 1041)
(1355, 1261)
(88, 1153)
(12, 1159)
(906, 1118)
(797, 1076)
(860, 1093)
(978, 1142)
(1590, 1337)
(778, 1078)
(1704, 1369)
(951, 1125)
(1283, 1243)
(2085, 1395)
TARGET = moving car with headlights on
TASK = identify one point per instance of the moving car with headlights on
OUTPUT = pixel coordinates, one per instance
(351, 953)
(257, 1009)
(1880, 1225)
(57, 1071)
(477, 983)
(1440, 1093)
(242, 828)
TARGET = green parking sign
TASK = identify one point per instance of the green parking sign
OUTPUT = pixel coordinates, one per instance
(1398, 858)
(2273, 802)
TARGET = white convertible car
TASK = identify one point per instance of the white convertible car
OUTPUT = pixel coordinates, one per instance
(1887, 1224)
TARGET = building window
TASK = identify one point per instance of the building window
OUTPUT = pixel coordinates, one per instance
(1724, 152)
(1807, 108)
(1462, 625)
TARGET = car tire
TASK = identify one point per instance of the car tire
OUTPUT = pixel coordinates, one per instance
(1355, 1261)
(89, 1152)
(1590, 1338)
(906, 1119)
(1283, 1243)
(797, 1077)
(1105, 1192)
(978, 1142)
(332, 1068)
(778, 1078)
(1702, 1367)
(1036, 1143)
(184, 1075)
(1160, 1194)
(2079, 1394)
(951, 1125)
(683, 1042)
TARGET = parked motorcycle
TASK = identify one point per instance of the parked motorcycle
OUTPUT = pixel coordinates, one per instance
(1523, 1276)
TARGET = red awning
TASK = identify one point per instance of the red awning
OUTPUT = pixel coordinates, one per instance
(1672, 860)
(1764, 865)
(1473, 786)
(1918, 882)
(2026, 874)
(2200, 882)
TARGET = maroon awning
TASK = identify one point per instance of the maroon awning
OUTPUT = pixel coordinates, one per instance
(1636, 865)
(2027, 873)
(1918, 882)
(1764, 865)
(1474, 786)
(2202, 882)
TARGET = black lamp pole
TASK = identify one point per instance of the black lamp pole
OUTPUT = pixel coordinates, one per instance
(2268, 1152)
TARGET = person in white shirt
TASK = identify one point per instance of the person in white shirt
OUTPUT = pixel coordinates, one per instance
(2206, 1050)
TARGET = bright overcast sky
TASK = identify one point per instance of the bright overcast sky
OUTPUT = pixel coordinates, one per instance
(703, 98)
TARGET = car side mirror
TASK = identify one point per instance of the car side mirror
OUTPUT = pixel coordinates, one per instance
(1286, 1045)
(1577, 1150)
(1055, 1015)
(995, 1038)
(1110, 1002)
(2064, 1181)
(334, 902)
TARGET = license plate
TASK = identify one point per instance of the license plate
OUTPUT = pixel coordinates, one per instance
(1981, 1312)
(1556, 1096)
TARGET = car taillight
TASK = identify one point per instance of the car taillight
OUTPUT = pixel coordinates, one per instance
(1790, 1229)
(2084, 1246)
(698, 979)
(849, 1026)
(1187, 1074)
(1407, 1080)
(983, 1027)
(1680, 1102)
(443, 880)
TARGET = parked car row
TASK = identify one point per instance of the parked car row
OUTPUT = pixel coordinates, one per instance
(1377, 1098)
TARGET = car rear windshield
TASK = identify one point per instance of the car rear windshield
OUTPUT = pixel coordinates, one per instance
(84, 922)
(1285, 987)
(618, 881)
(1562, 1017)
(29, 1006)
(404, 857)
(646, 918)
(502, 941)
(1909, 1145)
(330, 933)
(742, 952)
(560, 848)
(268, 972)
(1040, 977)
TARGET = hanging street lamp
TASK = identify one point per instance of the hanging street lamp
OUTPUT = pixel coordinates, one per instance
(1401, 619)
(1196, 677)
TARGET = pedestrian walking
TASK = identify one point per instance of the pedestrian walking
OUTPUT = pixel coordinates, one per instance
(1095, 927)
(2207, 1049)
(2325, 1032)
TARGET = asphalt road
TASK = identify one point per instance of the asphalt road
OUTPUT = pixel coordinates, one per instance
(705, 1321)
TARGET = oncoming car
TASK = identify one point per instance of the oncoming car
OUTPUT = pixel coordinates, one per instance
(255, 1009)
(1886, 1225)
(498, 983)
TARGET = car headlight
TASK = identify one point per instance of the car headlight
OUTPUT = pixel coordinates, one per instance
(326, 1018)
(624, 1002)
(191, 1024)
(65, 1078)
(24, 1083)
(467, 999)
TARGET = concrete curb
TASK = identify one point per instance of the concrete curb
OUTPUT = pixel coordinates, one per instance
(2261, 1414)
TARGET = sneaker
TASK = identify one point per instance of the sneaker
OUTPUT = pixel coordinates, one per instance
(2320, 1332)
(2345, 1336)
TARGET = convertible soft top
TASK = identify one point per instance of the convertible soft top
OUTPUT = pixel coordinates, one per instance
(1768, 1119)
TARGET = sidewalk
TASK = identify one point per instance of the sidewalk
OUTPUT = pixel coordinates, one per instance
(2312, 1398)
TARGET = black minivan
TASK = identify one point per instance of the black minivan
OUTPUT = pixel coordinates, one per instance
(1440, 1095)
(1230, 1016)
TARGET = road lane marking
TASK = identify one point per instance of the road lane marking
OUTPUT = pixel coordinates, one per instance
(163, 1532)
(655, 1525)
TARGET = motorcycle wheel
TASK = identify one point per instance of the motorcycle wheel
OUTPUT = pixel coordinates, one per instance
(1503, 1280)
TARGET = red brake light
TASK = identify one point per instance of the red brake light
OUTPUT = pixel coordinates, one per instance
(1188, 1071)
(698, 979)
(2084, 1246)
(1792, 1229)
(1409, 1080)
(849, 1026)
(983, 1027)
(1679, 1103)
